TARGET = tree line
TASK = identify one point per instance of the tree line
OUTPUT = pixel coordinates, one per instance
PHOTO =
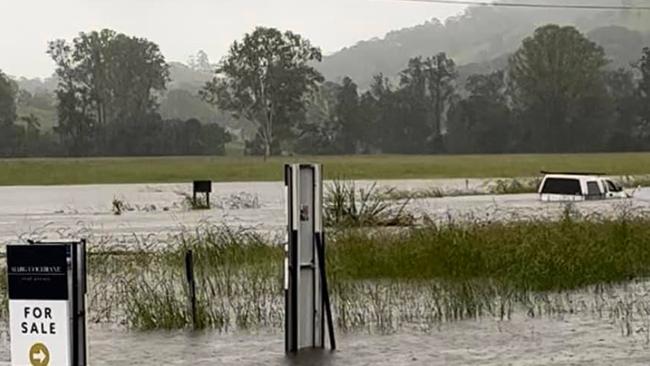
(556, 94)
(107, 104)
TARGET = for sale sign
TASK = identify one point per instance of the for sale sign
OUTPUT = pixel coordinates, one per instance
(39, 307)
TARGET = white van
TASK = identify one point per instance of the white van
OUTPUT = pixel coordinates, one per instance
(557, 187)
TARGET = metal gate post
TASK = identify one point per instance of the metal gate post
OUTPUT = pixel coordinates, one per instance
(306, 298)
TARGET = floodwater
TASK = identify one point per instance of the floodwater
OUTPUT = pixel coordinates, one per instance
(157, 211)
(154, 211)
(520, 341)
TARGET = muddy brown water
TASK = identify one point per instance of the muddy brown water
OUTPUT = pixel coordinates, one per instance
(156, 210)
(85, 211)
(572, 340)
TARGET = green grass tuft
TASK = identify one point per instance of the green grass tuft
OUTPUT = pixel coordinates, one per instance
(536, 256)
(345, 205)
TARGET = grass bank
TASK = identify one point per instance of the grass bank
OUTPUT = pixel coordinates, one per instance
(182, 169)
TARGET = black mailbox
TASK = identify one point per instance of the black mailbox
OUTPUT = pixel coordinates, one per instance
(202, 186)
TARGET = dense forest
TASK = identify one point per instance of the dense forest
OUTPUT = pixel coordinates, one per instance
(555, 89)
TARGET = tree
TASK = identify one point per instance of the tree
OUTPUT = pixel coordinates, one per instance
(32, 125)
(105, 78)
(348, 117)
(558, 87)
(183, 104)
(420, 106)
(369, 111)
(413, 102)
(644, 85)
(29, 136)
(264, 79)
(320, 132)
(622, 135)
(214, 139)
(200, 62)
(481, 123)
(7, 100)
(8, 131)
(389, 118)
(441, 73)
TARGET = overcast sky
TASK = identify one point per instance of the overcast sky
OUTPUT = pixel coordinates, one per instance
(182, 27)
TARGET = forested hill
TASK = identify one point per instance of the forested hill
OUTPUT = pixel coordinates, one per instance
(479, 41)
(472, 79)
(483, 35)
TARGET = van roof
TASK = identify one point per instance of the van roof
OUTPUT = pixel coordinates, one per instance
(573, 176)
(571, 173)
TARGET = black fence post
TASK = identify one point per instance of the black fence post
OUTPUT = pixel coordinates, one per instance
(320, 248)
(191, 285)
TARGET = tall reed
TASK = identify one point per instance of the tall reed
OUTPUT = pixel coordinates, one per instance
(346, 205)
(536, 255)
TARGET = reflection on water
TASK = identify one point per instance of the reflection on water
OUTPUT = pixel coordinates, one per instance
(571, 340)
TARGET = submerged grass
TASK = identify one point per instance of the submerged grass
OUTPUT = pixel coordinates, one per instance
(237, 278)
(200, 202)
(635, 181)
(449, 272)
(526, 255)
(385, 278)
(4, 295)
(345, 205)
(514, 186)
(498, 186)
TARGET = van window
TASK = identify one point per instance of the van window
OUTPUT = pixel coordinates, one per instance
(613, 187)
(593, 189)
(561, 186)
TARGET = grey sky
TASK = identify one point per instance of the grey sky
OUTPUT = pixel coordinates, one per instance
(182, 27)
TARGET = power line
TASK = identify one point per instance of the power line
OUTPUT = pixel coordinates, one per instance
(531, 5)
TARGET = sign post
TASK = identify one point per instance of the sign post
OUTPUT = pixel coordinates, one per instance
(202, 186)
(305, 284)
(47, 290)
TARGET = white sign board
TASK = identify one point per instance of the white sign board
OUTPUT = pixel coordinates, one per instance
(39, 333)
(39, 305)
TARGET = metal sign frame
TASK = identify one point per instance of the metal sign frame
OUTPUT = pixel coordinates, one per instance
(73, 293)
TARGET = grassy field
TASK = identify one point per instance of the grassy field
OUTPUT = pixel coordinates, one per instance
(183, 169)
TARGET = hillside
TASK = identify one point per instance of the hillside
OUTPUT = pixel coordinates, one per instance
(483, 34)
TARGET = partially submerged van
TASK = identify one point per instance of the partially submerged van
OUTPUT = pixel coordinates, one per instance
(557, 187)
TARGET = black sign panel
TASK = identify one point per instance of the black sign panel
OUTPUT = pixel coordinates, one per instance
(203, 186)
(38, 272)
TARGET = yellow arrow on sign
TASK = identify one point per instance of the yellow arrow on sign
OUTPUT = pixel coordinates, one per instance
(39, 355)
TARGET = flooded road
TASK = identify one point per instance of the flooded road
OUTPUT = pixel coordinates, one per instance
(561, 341)
(155, 211)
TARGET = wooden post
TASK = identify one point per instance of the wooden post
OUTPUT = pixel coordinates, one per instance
(191, 285)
